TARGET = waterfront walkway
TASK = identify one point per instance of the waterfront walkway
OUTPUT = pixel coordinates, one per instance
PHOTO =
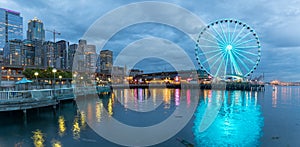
(28, 99)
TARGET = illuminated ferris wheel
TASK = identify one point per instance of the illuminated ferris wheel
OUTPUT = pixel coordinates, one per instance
(228, 49)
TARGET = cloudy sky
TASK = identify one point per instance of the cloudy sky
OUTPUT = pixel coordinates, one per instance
(276, 23)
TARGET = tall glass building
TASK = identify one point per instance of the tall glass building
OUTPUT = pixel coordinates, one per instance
(11, 26)
(36, 30)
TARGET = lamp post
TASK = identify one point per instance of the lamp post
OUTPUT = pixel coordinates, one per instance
(74, 78)
(60, 77)
(54, 70)
(36, 74)
(81, 78)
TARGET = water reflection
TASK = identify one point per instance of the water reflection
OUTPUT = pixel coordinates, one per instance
(61, 126)
(56, 143)
(99, 110)
(76, 129)
(238, 123)
(38, 138)
(83, 119)
(159, 111)
(110, 107)
(274, 97)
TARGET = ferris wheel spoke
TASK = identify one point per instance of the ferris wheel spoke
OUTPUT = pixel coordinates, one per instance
(231, 67)
(238, 34)
(241, 61)
(218, 70)
(208, 52)
(209, 41)
(251, 61)
(212, 57)
(212, 65)
(223, 41)
(226, 64)
(246, 52)
(236, 67)
(228, 32)
(214, 37)
(243, 37)
(233, 33)
(247, 47)
(209, 46)
(247, 41)
(223, 32)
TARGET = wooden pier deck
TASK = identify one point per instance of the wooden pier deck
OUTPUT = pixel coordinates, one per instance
(29, 99)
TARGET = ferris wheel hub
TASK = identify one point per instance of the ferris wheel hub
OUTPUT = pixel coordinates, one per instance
(229, 47)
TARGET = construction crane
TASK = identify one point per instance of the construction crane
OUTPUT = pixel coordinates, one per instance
(54, 33)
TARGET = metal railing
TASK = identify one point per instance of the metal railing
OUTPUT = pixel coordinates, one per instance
(50, 93)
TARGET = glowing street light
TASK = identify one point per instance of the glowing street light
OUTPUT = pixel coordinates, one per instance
(36, 74)
(54, 70)
(60, 77)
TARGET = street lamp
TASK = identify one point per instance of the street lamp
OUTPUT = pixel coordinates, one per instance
(36, 74)
(60, 77)
(54, 70)
(81, 80)
(74, 78)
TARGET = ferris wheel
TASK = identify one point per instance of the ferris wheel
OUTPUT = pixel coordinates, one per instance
(228, 48)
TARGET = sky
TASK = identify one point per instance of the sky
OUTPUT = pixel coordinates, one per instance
(275, 22)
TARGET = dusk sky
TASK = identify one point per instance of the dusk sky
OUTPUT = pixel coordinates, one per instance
(276, 23)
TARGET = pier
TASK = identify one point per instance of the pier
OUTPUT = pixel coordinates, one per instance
(220, 86)
(29, 99)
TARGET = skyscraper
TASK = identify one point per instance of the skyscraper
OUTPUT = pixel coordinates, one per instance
(11, 26)
(71, 53)
(13, 52)
(106, 61)
(49, 57)
(90, 58)
(35, 30)
(62, 54)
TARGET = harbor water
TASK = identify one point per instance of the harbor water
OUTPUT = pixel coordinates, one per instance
(214, 118)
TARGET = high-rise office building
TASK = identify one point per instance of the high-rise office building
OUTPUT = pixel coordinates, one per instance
(13, 52)
(106, 61)
(71, 54)
(29, 55)
(35, 30)
(62, 54)
(11, 27)
(49, 57)
(90, 57)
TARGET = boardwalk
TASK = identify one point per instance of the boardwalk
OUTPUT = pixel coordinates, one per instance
(23, 100)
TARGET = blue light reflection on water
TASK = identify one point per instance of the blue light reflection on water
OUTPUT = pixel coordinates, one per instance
(279, 106)
(239, 121)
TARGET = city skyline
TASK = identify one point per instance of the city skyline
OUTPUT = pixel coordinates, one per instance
(275, 23)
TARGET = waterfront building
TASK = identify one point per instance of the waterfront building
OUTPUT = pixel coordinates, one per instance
(11, 27)
(36, 35)
(71, 53)
(61, 55)
(90, 58)
(106, 61)
(49, 57)
(29, 53)
(80, 57)
(38, 52)
(118, 74)
(13, 52)
(35, 30)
